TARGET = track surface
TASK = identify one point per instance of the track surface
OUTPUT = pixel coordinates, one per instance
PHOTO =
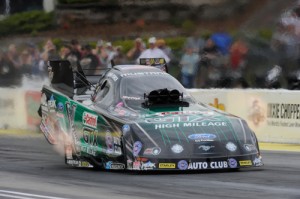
(30, 168)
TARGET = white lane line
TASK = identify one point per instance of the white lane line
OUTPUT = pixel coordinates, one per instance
(12, 196)
(20, 195)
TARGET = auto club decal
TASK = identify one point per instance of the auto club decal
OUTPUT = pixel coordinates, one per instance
(184, 165)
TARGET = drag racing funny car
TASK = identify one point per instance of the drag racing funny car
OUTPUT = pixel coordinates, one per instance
(136, 117)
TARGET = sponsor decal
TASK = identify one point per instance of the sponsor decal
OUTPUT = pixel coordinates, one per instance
(51, 104)
(182, 165)
(249, 147)
(114, 166)
(137, 146)
(231, 147)
(283, 111)
(71, 109)
(141, 159)
(85, 164)
(78, 163)
(198, 120)
(186, 113)
(206, 165)
(46, 131)
(131, 98)
(129, 164)
(202, 137)
(177, 148)
(73, 162)
(189, 124)
(89, 119)
(245, 163)
(219, 165)
(156, 151)
(60, 107)
(152, 61)
(142, 74)
(121, 112)
(90, 136)
(206, 147)
(113, 76)
(45, 109)
(152, 151)
(232, 163)
(117, 145)
(148, 151)
(148, 165)
(125, 128)
(197, 165)
(167, 165)
(109, 142)
(89, 150)
(136, 165)
(257, 162)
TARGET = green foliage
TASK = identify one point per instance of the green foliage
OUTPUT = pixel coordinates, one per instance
(126, 44)
(57, 42)
(265, 34)
(205, 34)
(26, 22)
(176, 21)
(188, 26)
(175, 43)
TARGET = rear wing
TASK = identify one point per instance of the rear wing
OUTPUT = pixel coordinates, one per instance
(71, 80)
(156, 62)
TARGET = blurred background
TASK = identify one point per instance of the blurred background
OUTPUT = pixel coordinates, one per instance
(209, 43)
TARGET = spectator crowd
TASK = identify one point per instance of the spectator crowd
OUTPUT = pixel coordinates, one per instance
(202, 64)
(218, 60)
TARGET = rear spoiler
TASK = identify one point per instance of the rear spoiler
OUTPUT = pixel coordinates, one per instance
(156, 62)
(69, 79)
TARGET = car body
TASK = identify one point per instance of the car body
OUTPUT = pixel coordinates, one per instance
(141, 118)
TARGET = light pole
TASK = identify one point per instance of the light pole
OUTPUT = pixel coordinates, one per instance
(7, 7)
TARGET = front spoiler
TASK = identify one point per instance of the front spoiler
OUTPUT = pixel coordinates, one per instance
(235, 162)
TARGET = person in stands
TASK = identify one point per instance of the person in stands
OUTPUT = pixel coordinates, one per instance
(189, 63)
(137, 50)
(153, 51)
(89, 61)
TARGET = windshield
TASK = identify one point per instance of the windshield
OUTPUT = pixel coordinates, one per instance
(134, 87)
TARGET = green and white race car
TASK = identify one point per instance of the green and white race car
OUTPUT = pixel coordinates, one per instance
(136, 117)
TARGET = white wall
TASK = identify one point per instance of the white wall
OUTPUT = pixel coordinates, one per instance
(274, 115)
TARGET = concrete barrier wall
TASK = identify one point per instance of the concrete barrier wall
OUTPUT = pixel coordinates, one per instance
(12, 108)
(274, 115)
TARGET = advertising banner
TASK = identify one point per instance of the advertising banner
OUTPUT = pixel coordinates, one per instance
(274, 115)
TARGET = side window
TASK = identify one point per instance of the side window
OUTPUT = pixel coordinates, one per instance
(102, 91)
(104, 96)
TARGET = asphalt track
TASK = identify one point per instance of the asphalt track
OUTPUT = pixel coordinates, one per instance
(31, 169)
